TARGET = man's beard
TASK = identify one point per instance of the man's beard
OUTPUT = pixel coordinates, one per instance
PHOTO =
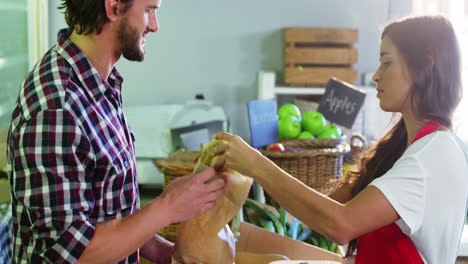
(129, 39)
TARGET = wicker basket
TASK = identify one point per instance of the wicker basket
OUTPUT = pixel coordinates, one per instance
(316, 167)
(313, 143)
(170, 231)
(179, 164)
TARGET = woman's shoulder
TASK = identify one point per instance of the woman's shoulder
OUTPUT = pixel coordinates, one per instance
(444, 139)
(442, 143)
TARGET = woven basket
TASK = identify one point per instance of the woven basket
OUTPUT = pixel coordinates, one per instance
(313, 143)
(179, 164)
(318, 168)
(170, 231)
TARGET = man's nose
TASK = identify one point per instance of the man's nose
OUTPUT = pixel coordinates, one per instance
(153, 24)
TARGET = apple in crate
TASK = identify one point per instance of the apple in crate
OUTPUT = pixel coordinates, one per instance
(289, 127)
(305, 135)
(326, 134)
(289, 110)
(314, 122)
(334, 129)
(275, 147)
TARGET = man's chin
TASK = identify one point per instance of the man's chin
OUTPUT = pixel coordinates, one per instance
(135, 56)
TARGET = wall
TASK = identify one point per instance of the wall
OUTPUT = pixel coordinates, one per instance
(217, 47)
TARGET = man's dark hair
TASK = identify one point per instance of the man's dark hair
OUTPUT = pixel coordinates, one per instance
(87, 16)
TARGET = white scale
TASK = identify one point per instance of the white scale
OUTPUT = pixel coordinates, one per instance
(158, 127)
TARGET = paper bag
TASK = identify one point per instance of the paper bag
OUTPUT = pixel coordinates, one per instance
(207, 238)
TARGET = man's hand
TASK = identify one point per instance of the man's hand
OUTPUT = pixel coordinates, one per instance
(190, 195)
(158, 250)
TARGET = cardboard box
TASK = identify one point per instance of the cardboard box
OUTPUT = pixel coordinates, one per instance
(3, 146)
(5, 195)
(257, 240)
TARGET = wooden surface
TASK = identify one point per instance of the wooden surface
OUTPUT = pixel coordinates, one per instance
(350, 260)
(318, 76)
(320, 55)
(321, 35)
(258, 240)
(460, 260)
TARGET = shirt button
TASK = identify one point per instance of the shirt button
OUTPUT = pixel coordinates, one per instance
(125, 164)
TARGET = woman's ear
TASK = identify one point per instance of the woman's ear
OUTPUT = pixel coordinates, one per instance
(112, 9)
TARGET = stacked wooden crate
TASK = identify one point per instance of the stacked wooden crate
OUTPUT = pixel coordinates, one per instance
(314, 55)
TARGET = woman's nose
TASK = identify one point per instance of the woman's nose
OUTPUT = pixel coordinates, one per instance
(376, 77)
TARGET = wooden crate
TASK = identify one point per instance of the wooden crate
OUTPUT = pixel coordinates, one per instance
(314, 55)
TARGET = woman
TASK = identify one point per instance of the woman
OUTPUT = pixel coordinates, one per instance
(407, 201)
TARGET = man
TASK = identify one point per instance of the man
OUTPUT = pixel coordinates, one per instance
(71, 152)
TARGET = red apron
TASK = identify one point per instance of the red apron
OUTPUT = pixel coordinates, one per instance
(389, 245)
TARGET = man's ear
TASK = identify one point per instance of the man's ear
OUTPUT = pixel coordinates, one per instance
(112, 9)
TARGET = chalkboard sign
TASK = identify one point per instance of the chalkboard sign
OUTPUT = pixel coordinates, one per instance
(263, 122)
(341, 102)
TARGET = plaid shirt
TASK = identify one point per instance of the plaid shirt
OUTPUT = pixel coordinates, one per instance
(70, 157)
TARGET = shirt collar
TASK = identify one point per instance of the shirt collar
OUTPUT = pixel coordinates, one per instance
(86, 72)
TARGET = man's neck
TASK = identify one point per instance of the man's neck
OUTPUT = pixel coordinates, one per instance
(99, 49)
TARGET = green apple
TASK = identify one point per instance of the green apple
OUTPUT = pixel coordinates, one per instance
(314, 122)
(326, 134)
(289, 127)
(333, 129)
(289, 110)
(305, 134)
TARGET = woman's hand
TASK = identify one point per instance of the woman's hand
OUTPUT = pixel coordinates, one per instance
(191, 195)
(237, 155)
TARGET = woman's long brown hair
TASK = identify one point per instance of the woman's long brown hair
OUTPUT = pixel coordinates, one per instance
(430, 49)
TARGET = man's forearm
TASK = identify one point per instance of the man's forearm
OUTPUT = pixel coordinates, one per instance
(117, 239)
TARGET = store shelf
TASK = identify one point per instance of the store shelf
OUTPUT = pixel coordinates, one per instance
(299, 90)
(267, 87)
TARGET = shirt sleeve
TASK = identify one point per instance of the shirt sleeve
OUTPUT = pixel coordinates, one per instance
(52, 184)
(404, 187)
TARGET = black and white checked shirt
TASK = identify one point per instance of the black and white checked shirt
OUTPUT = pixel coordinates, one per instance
(71, 158)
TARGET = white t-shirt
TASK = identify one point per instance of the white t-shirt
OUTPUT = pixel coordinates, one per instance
(428, 187)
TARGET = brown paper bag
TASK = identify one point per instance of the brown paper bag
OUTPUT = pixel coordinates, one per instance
(207, 238)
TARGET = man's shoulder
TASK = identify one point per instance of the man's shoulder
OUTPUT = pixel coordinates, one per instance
(52, 71)
(46, 86)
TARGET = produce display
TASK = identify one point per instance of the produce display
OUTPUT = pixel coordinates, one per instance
(311, 124)
(255, 258)
(257, 214)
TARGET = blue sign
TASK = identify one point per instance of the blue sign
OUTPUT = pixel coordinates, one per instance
(263, 120)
